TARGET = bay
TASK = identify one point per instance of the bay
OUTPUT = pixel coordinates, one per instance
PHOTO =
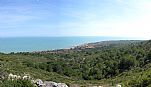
(29, 44)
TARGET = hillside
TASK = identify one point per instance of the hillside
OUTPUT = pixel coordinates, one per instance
(101, 63)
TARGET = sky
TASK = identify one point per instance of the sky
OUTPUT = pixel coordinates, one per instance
(114, 18)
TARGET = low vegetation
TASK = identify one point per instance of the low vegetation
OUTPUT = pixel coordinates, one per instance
(109, 63)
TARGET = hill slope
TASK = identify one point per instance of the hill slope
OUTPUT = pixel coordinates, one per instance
(107, 63)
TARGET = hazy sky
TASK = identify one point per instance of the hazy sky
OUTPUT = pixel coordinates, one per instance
(117, 18)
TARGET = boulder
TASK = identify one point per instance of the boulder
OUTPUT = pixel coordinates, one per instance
(39, 83)
(50, 84)
(54, 84)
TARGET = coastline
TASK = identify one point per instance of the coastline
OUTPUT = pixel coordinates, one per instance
(30, 44)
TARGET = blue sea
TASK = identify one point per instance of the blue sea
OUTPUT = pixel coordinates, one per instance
(29, 44)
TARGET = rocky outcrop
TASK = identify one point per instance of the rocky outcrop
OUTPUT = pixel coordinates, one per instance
(40, 83)
(50, 84)
(37, 82)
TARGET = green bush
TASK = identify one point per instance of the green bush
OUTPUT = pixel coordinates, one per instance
(16, 83)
